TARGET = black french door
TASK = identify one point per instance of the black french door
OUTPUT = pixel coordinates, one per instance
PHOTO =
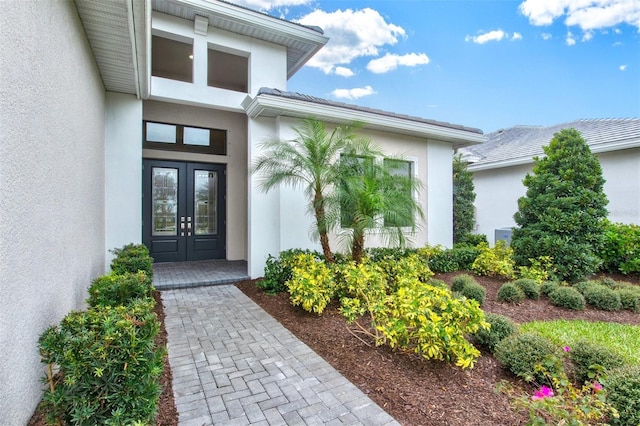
(183, 210)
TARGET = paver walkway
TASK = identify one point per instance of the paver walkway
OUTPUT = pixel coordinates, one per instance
(234, 364)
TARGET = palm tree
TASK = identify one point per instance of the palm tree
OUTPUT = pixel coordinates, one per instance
(377, 196)
(311, 161)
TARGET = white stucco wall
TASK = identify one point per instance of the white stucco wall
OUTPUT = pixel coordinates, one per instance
(123, 172)
(51, 186)
(236, 160)
(281, 219)
(267, 65)
(498, 190)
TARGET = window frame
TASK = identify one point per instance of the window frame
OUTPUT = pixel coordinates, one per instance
(179, 145)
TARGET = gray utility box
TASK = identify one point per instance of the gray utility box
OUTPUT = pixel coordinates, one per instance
(503, 234)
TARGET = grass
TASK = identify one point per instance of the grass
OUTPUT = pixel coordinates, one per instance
(621, 338)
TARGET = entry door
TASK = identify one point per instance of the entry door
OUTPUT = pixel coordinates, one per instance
(184, 210)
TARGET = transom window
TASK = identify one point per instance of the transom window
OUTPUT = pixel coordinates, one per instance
(177, 137)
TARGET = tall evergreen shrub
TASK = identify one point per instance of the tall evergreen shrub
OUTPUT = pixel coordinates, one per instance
(463, 198)
(563, 212)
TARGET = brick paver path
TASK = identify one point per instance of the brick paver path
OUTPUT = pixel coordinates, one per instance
(233, 364)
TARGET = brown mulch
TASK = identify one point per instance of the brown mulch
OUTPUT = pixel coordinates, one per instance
(414, 391)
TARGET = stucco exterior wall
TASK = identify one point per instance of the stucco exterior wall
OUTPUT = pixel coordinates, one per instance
(51, 186)
(498, 190)
(236, 160)
(267, 65)
(123, 172)
(281, 219)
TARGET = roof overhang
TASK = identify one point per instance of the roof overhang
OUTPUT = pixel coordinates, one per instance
(265, 105)
(519, 161)
(117, 34)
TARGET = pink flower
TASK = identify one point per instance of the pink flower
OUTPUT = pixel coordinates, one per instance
(597, 387)
(567, 349)
(543, 392)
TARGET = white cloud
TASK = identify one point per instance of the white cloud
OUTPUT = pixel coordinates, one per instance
(269, 5)
(546, 36)
(390, 62)
(587, 14)
(616, 44)
(355, 93)
(617, 31)
(343, 72)
(570, 39)
(516, 36)
(622, 67)
(495, 35)
(588, 35)
(352, 34)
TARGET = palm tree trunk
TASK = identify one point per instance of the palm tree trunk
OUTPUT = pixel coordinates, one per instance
(357, 248)
(322, 227)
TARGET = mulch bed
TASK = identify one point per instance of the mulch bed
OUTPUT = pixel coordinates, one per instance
(414, 391)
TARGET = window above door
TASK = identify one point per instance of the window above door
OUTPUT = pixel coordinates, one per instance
(177, 137)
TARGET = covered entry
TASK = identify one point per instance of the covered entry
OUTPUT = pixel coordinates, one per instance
(183, 210)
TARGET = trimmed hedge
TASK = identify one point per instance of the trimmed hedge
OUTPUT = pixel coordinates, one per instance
(119, 289)
(510, 293)
(623, 392)
(531, 357)
(501, 328)
(590, 361)
(567, 297)
(529, 287)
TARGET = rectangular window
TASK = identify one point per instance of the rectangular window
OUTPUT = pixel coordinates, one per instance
(227, 71)
(176, 137)
(403, 170)
(171, 59)
(353, 166)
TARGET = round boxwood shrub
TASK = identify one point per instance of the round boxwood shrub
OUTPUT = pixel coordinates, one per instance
(474, 291)
(583, 286)
(602, 297)
(549, 287)
(567, 297)
(460, 281)
(501, 328)
(530, 288)
(531, 357)
(623, 392)
(510, 293)
(630, 299)
(590, 360)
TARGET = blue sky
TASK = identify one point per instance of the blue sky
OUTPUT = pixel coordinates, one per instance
(481, 63)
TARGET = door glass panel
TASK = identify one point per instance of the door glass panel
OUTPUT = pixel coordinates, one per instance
(165, 201)
(205, 202)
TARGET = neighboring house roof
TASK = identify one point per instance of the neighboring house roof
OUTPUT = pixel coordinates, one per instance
(273, 102)
(118, 32)
(519, 144)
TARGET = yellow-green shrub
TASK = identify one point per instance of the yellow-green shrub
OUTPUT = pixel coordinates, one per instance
(494, 262)
(312, 284)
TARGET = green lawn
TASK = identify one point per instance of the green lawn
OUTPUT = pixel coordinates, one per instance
(623, 339)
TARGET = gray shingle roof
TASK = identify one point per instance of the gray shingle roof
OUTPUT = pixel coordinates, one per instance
(313, 99)
(520, 144)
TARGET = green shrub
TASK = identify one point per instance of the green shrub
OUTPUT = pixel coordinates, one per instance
(312, 283)
(475, 292)
(278, 270)
(501, 328)
(109, 369)
(459, 258)
(567, 297)
(540, 269)
(549, 287)
(621, 251)
(132, 258)
(460, 281)
(623, 392)
(602, 297)
(407, 267)
(610, 282)
(563, 213)
(582, 286)
(472, 239)
(630, 299)
(376, 254)
(590, 361)
(494, 262)
(529, 287)
(438, 283)
(531, 357)
(115, 289)
(510, 293)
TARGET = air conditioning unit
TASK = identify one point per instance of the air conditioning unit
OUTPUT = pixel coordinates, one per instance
(503, 234)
